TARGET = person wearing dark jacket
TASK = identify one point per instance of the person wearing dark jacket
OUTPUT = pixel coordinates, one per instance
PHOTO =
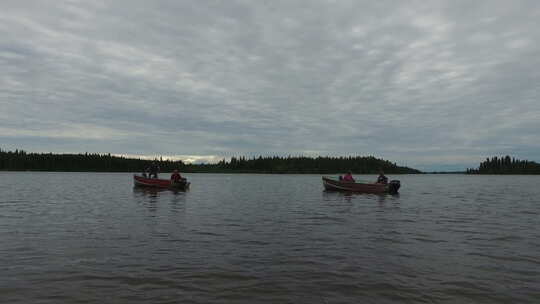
(154, 170)
(382, 179)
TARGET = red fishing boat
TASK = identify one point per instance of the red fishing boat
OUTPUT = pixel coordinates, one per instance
(336, 185)
(141, 181)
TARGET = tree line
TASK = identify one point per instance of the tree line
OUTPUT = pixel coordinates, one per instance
(506, 165)
(303, 164)
(20, 160)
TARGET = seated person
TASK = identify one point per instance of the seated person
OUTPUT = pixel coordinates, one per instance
(154, 169)
(176, 177)
(146, 172)
(382, 179)
(348, 177)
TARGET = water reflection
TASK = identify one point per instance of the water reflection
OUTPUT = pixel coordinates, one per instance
(380, 197)
(155, 192)
(151, 197)
(335, 195)
(178, 201)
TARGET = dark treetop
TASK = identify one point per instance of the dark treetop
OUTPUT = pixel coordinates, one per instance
(22, 161)
(506, 165)
(19, 160)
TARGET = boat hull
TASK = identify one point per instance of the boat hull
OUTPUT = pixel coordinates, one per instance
(140, 181)
(335, 185)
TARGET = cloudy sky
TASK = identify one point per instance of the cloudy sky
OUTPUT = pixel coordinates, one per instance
(436, 85)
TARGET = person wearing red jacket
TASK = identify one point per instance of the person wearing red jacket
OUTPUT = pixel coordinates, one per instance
(348, 177)
(176, 177)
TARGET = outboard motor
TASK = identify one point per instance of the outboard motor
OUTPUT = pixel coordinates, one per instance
(393, 186)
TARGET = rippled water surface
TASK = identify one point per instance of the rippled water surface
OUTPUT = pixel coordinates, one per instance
(93, 238)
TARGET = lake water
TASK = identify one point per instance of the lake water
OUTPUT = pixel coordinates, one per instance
(93, 238)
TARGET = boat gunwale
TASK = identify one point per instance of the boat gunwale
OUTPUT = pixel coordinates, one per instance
(332, 184)
(160, 183)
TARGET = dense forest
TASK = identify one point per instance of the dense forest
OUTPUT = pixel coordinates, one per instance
(19, 160)
(303, 164)
(506, 165)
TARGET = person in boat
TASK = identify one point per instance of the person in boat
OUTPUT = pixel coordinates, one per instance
(146, 172)
(154, 169)
(382, 179)
(348, 177)
(176, 177)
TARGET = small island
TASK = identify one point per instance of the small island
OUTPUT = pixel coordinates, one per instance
(506, 165)
(20, 160)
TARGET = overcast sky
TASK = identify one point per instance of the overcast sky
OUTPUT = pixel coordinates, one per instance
(436, 85)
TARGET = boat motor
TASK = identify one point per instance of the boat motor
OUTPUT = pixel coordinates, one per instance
(393, 186)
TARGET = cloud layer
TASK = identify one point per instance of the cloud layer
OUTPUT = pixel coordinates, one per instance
(433, 85)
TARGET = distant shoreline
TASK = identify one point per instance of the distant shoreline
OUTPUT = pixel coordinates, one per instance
(271, 173)
(212, 172)
(20, 160)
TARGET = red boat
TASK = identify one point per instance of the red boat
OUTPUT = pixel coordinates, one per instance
(141, 181)
(336, 185)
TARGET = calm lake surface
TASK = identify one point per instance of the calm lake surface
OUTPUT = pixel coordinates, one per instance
(248, 238)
